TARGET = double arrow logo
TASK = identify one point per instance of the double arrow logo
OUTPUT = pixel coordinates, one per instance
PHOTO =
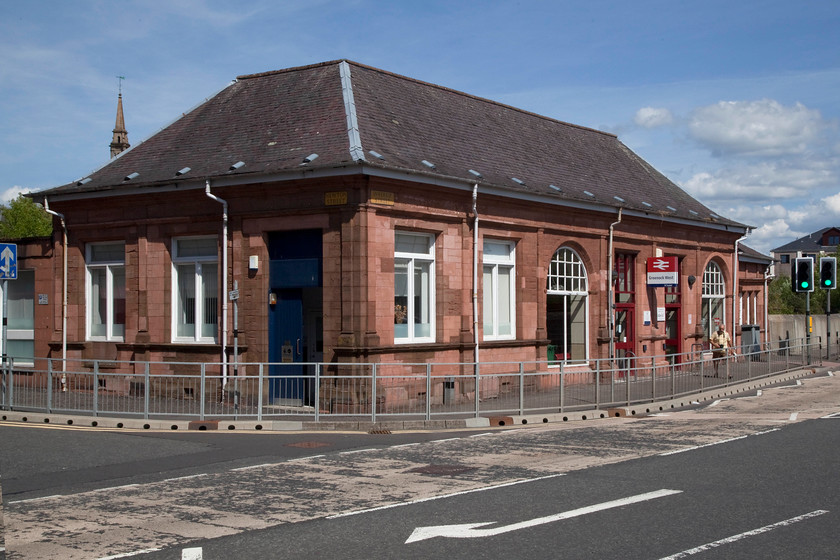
(661, 265)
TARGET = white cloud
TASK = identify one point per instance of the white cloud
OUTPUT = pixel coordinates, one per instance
(833, 203)
(762, 128)
(763, 182)
(653, 117)
(12, 193)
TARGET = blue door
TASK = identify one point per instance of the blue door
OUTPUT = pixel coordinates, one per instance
(296, 297)
(285, 317)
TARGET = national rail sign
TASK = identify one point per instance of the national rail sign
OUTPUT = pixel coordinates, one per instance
(8, 261)
(663, 271)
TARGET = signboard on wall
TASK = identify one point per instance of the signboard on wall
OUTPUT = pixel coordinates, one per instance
(663, 271)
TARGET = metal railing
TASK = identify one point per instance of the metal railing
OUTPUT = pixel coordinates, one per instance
(379, 391)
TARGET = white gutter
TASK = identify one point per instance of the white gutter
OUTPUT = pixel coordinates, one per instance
(735, 300)
(224, 277)
(64, 295)
(475, 271)
(611, 292)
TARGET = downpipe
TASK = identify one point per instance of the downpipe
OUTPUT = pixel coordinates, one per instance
(64, 295)
(224, 272)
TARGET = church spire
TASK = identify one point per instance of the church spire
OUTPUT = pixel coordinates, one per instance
(119, 143)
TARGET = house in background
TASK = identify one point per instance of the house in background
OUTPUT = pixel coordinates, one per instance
(818, 244)
(353, 215)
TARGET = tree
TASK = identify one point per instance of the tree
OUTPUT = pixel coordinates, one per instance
(23, 218)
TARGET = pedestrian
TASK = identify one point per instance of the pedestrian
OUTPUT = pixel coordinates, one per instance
(721, 342)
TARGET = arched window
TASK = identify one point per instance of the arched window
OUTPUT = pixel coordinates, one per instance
(567, 307)
(714, 295)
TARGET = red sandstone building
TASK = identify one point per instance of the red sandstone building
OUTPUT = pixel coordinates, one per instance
(363, 216)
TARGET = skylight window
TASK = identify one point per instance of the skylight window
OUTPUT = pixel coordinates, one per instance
(556, 188)
(587, 193)
(84, 181)
(618, 198)
(131, 176)
(517, 181)
(377, 155)
(310, 158)
(428, 164)
(183, 171)
(237, 165)
(671, 208)
(649, 205)
(476, 173)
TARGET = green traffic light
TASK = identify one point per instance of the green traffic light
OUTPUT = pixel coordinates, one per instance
(828, 282)
(804, 285)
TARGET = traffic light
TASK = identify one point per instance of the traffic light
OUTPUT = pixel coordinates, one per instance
(803, 275)
(828, 273)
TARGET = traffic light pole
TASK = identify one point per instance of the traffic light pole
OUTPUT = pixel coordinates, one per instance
(828, 325)
(808, 326)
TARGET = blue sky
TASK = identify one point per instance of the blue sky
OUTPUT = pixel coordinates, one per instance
(737, 102)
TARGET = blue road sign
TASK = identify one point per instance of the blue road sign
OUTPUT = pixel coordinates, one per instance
(8, 261)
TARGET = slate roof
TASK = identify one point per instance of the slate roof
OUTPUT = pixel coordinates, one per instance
(748, 254)
(361, 119)
(811, 243)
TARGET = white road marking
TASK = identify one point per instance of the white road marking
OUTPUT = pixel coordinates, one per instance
(433, 498)
(472, 530)
(129, 554)
(356, 451)
(793, 416)
(404, 445)
(251, 467)
(675, 451)
(738, 537)
(192, 554)
(36, 499)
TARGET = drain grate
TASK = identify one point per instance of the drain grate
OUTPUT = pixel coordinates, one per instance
(308, 444)
(443, 470)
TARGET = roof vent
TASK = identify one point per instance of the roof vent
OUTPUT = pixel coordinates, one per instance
(308, 159)
(671, 208)
(132, 176)
(84, 181)
(648, 204)
(693, 212)
(428, 164)
(587, 193)
(182, 171)
(618, 198)
(237, 165)
(556, 188)
(518, 181)
(377, 155)
(476, 173)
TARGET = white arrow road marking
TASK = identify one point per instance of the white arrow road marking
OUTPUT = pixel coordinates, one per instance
(471, 530)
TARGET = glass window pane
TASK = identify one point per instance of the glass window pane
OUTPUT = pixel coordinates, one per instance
(186, 301)
(209, 281)
(407, 243)
(118, 319)
(21, 350)
(99, 302)
(201, 247)
(504, 305)
(487, 301)
(21, 301)
(107, 252)
(401, 298)
(422, 300)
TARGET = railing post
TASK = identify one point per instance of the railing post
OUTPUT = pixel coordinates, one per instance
(597, 384)
(562, 385)
(428, 391)
(373, 396)
(49, 383)
(631, 364)
(521, 388)
(260, 395)
(477, 390)
(653, 378)
(317, 391)
(95, 387)
(146, 390)
(203, 385)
